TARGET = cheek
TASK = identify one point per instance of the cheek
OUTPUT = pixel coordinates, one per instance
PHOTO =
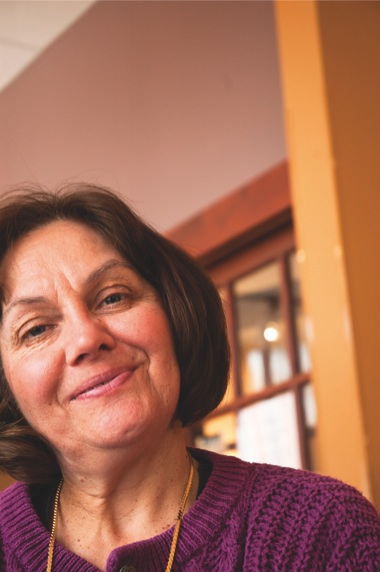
(164, 362)
(147, 328)
(161, 340)
(29, 379)
(151, 332)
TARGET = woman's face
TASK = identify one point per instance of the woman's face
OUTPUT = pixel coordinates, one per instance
(85, 343)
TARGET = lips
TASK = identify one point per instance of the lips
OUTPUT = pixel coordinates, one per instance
(102, 384)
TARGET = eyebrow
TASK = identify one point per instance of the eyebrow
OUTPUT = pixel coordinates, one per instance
(23, 302)
(98, 272)
(92, 277)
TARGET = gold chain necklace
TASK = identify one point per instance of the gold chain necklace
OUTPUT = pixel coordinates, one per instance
(179, 518)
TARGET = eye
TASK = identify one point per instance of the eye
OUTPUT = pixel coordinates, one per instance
(34, 332)
(113, 299)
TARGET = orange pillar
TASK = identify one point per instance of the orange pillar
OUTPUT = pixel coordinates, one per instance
(330, 61)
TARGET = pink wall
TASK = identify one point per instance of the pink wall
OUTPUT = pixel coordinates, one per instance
(174, 104)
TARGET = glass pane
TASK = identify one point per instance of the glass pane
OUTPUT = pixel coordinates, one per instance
(298, 316)
(263, 357)
(268, 432)
(218, 434)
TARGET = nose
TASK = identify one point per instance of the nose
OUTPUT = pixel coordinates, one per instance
(87, 337)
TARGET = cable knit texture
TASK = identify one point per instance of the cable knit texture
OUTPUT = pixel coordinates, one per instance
(248, 518)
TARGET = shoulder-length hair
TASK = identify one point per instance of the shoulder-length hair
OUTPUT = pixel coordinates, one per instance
(188, 296)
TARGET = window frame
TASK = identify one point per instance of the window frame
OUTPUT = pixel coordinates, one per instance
(245, 229)
(275, 246)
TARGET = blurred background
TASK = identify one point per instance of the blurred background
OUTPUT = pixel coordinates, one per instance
(249, 133)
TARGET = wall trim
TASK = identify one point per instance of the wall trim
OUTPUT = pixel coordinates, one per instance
(244, 215)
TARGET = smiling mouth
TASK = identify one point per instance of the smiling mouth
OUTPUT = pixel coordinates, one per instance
(103, 386)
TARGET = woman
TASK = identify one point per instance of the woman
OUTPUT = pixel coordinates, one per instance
(112, 340)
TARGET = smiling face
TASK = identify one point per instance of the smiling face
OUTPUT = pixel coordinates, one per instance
(85, 343)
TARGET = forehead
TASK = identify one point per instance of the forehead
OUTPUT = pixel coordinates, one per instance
(56, 247)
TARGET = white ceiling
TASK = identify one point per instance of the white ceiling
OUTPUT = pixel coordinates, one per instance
(27, 27)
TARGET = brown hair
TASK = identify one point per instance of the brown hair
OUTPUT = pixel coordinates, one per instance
(190, 300)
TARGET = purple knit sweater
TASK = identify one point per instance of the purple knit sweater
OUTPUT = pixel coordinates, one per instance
(249, 517)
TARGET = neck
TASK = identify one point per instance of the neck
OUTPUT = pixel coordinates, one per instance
(102, 472)
(138, 499)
